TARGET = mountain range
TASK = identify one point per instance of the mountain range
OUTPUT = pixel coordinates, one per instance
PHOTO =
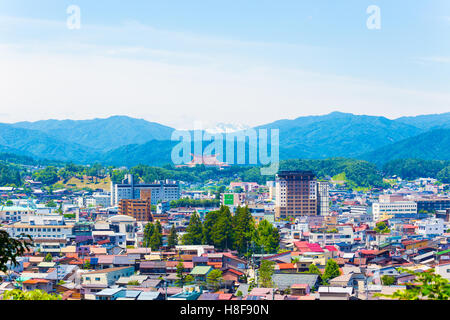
(122, 140)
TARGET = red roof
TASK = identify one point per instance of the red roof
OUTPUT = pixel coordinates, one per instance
(285, 266)
(225, 296)
(35, 281)
(364, 251)
(300, 286)
(305, 246)
(331, 248)
(239, 273)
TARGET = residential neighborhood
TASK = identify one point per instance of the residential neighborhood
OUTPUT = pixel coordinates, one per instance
(342, 245)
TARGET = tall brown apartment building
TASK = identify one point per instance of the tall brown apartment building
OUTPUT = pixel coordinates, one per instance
(296, 194)
(140, 209)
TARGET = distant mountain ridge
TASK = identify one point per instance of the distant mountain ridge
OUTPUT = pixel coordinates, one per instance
(122, 140)
(431, 145)
(102, 134)
(338, 134)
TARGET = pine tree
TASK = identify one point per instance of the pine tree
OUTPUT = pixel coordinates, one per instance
(243, 229)
(214, 279)
(156, 240)
(180, 277)
(265, 273)
(194, 232)
(221, 233)
(148, 232)
(208, 224)
(172, 240)
(267, 237)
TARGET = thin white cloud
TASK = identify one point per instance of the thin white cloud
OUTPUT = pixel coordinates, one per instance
(176, 78)
(436, 59)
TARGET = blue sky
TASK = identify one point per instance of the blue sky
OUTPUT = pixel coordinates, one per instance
(251, 62)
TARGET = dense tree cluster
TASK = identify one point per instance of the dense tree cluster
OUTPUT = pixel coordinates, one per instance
(236, 232)
(9, 175)
(153, 236)
(411, 169)
(359, 173)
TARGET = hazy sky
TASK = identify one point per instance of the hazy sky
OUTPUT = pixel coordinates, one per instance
(251, 62)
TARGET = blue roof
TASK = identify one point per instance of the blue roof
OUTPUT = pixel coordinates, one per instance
(132, 293)
(150, 295)
(109, 292)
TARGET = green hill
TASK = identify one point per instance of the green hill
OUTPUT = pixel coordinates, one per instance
(433, 145)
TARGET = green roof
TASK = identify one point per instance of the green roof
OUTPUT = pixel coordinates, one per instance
(443, 252)
(46, 264)
(201, 270)
(15, 208)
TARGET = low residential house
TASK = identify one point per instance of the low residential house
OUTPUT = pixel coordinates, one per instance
(45, 266)
(385, 271)
(134, 280)
(200, 261)
(152, 267)
(200, 273)
(100, 279)
(6, 286)
(443, 269)
(209, 296)
(232, 275)
(403, 278)
(150, 295)
(300, 289)
(110, 294)
(347, 280)
(194, 250)
(139, 251)
(188, 293)
(443, 256)
(105, 262)
(424, 258)
(130, 295)
(38, 284)
(69, 291)
(52, 248)
(335, 293)
(262, 293)
(283, 281)
(285, 268)
(171, 266)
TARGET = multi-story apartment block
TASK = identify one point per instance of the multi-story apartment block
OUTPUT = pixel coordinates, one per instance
(42, 228)
(296, 194)
(140, 209)
(14, 213)
(323, 198)
(430, 227)
(387, 210)
(432, 205)
(160, 191)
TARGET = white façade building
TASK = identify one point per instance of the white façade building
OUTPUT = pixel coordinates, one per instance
(14, 213)
(430, 227)
(160, 191)
(43, 227)
(385, 210)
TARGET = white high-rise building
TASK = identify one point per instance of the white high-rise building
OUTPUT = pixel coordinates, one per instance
(323, 200)
(167, 190)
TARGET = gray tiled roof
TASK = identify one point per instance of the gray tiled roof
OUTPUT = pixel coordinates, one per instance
(286, 280)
